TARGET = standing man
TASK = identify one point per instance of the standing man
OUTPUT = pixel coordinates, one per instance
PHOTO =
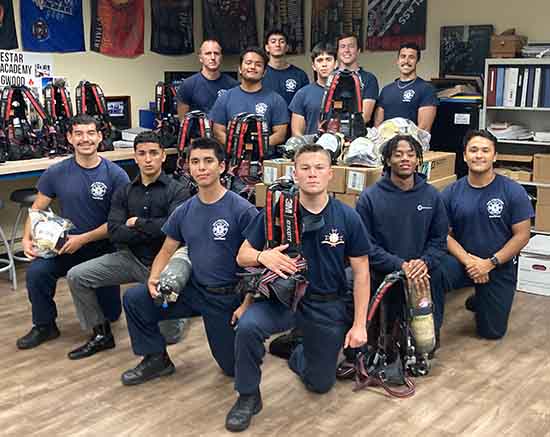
(201, 90)
(280, 76)
(490, 222)
(306, 104)
(348, 52)
(138, 211)
(211, 224)
(251, 97)
(323, 314)
(410, 96)
(84, 185)
(413, 236)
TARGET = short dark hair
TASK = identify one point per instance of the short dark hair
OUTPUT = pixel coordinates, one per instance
(347, 35)
(147, 137)
(275, 32)
(479, 133)
(256, 50)
(410, 45)
(203, 143)
(323, 47)
(390, 147)
(312, 148)
(84, 119)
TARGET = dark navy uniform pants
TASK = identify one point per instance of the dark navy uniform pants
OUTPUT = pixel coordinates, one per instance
(143, 315)
(42, 276)
(324, 326)
(493, 300)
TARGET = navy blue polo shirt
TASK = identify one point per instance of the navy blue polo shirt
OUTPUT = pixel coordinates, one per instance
(213, 234)
(84, 193)
(307, 103)
(200, 93)
(343, 235)
(264, 102)
(482, 218)
(285, 82)
(403, 99)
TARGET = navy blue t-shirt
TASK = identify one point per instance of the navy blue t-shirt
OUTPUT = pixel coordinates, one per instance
(285, 82)
(264, 102)
(84, 194)
(213, 233)
(200, 93)
(343, 235)
(402, 99)
(370, 85)
(307, 103)
(482, 218)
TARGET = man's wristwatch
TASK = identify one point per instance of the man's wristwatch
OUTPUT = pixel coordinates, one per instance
(494, 260)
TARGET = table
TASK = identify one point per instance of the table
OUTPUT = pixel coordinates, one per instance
(13, 170)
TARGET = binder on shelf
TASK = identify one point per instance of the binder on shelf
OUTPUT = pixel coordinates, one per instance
(519, 88)
(536, 87)
(492, 87)
(523, 100)
(510, 86)
(530, 87)
(545, 86)
(500, 85)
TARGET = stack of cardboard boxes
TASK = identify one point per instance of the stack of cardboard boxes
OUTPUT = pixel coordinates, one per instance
(348, 182)
(541, 174)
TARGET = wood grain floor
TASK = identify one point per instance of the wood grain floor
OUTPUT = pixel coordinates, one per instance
(476, 388)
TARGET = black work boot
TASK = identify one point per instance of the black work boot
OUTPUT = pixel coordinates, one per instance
(152, 366)
(470, 303)
(240, 415)
(38, 335)
(101, 340)
(284, 344)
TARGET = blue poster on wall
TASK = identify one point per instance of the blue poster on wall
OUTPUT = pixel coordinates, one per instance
(52, 25)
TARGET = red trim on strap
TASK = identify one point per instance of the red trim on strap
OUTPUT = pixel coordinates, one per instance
(8, 105)
(269, 214)
(331, 90)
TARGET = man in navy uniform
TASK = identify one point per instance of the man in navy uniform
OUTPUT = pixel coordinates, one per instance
(200, 91)
(490, 222)
(212, 225)
(409, 96)
(280, 76)
(348, 54)
(306, 104)
(323, 315)
(250, 96)
(84, 185)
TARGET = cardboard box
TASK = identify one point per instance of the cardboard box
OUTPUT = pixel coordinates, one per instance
(261, 190)
(440, 184)
(542, 218)
(541, 167)
(273, 170)
(543, 196)
(338, 182)
(288, 169)
(348, 199)
(507, 46)
(534, 266)
(357, 178)
(438, 165)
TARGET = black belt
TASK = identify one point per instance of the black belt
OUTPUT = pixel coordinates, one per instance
(322, 297)
(229, 289)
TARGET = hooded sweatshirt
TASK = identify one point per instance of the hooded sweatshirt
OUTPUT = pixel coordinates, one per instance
(404, 225)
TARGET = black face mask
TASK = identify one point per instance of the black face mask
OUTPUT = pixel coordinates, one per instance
(312, 222)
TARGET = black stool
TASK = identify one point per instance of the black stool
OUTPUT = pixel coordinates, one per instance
(25, 197)
(8, 264)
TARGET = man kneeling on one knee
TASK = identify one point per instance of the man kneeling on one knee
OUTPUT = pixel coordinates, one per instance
(323, 313)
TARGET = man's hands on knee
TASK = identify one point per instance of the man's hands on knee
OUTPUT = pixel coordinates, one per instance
(478, 269)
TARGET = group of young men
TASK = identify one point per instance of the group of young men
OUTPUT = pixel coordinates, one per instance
(281, 92)
(127, 231)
